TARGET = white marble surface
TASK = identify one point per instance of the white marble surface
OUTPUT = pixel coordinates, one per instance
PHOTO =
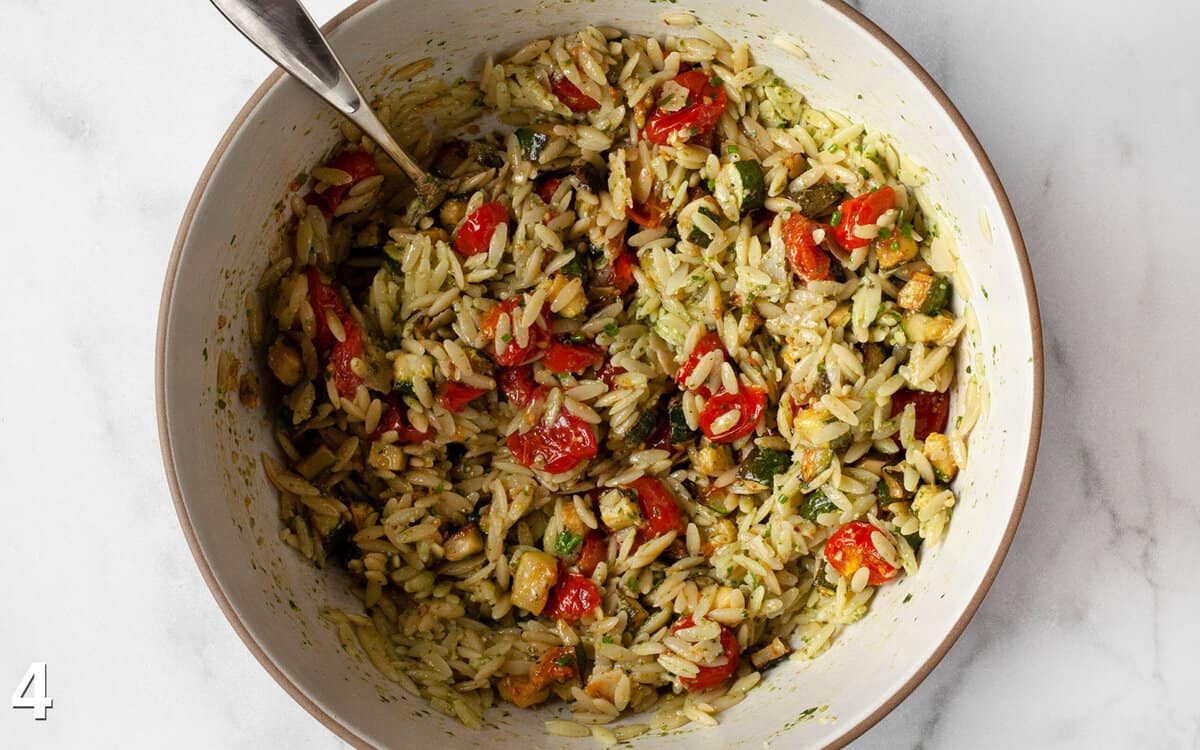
(1089, 637)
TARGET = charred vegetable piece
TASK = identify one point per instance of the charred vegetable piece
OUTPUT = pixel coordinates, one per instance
(680, 432)
(537, 572)
(642, 428)
(894, 250)
(463, 543)
(532, 142)
(937, 450)
(316, 463)
(922, 328)
(924, 293)
(619, 509)
(817, 201)
(697, 237)
(740, 188)
(285, 362)
(485, 154)
(773, 651)
(815, 504)
(814, 461)
(763, 464)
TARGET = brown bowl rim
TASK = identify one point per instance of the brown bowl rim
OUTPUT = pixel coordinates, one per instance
(853, 732)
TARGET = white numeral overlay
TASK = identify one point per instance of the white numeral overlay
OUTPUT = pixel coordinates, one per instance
(31, 691)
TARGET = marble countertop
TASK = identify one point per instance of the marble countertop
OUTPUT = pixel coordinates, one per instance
(1089, 635)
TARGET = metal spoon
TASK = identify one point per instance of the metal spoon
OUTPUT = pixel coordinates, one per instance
(285, 32)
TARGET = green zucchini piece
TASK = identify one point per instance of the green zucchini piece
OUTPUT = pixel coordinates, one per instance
(815, 504)
(532, 142)
(818, 201)
(763, 464)
(938, 297)
(680, 432)
(748, 185)
(697, 237)
(577, 267)
(642, 428)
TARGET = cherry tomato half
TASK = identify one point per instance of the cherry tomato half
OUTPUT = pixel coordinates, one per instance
(393, 421)
(851, 548)
(555, 448)
(649, 214)
(358, 164)
(570, 95)
(456, 396)
(573, 597)
(809, 262)
(593, 552)
(710, 677)
(660, 511)
(514, 353)
(518, 386)
(749, 400)
(933, 410)
(562, 357)
(324, 300)
(475, 234)
(705, 105)
(709, 342)
(862, 211)
(547, 187)
(343, 353)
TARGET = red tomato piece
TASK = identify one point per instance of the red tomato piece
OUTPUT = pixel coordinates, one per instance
(608, 373)
(710, 677)
(708, 342)
(660, 511)
(620, 272)
(456, 396)
(593, 552)
(573, 597)
(518, 386)
(547, 187)
(705, 105)
(851, 548)
(749, 400)
(324, 299)
(933, 410)
(342, 354)
(555, 448)
(562, 357)
(514, 353)
(358, 164)
(809, 262)
(570, 95)
(475, 234)
(862, 211)
(649, 214)
(393, 421)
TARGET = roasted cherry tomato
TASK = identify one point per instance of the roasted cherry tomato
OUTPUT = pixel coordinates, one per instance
(456, 396)
(660, 511)
(860, 212)
(343, 353)
(705, 105)
(358, 164)
(563, 357)
(518, 386)
(514, 353)
(933, 410)
(393, 421)
(324, 300)
(593, 552)
(649, 214)
(555, 448)
(608, 373)
(570, 95)
(573, 597)
(709, 342)
(558, 664)
(475, 234)
(809, 262)
(710, 677)
(547, 187)
(851, 548)
(749, 400)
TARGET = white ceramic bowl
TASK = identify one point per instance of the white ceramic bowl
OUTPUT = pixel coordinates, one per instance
(228, 510)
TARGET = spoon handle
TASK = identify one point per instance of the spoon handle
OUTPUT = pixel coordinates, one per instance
(285, 32)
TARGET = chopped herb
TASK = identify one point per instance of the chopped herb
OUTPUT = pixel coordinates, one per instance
(693, 131)
(885, 232)
(832, 148)
(836, 219)
(906, 230)
(732, 149)
(566, 660)
(607, 639)
(863, 171)
(506, 338)
(907, 598)
(567, 543)
(665, 100)
(611, 329)
(715, 80)
(632, 584)
(711, 184)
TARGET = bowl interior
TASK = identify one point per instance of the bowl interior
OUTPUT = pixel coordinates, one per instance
(212, 442)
